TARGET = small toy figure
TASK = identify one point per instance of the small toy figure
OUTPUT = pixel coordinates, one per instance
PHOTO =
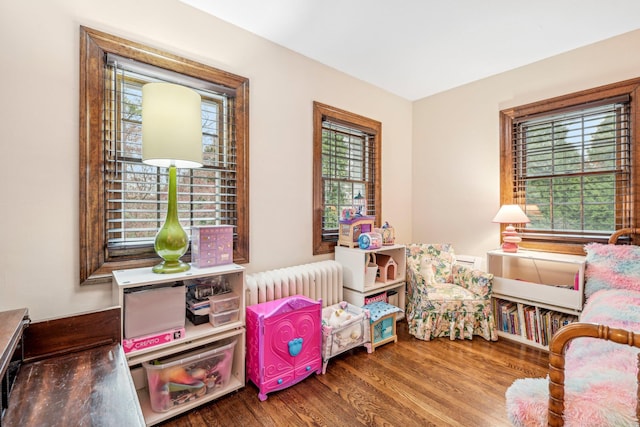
(388, 234)
(347, 214)
(338, 317)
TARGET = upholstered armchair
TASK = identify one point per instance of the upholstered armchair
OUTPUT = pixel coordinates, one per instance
(445, 299)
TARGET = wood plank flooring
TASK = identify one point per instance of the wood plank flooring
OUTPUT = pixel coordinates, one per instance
(408, 383)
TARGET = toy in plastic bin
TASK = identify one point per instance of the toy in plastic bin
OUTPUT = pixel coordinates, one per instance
(183, 378)
(370, 240)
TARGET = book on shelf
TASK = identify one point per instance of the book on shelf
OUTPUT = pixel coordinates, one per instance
(545, 326)
(538, 326)
(508, 318)
(530, 322)
(195, 304)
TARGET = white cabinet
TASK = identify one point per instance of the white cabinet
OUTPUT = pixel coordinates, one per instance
(535, 293)
(196, 337)
(391, 276)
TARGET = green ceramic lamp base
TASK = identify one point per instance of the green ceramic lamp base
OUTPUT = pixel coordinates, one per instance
(169, 267)
(171, 241)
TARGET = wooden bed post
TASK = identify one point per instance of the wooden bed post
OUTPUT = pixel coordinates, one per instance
(638, 391)
(557, 349)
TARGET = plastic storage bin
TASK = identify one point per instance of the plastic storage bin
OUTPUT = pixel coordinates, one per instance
(153, 309)
(224, 302)
(183, 378)
(219, 319)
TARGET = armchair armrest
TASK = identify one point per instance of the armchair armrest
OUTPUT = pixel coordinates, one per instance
(477, 281)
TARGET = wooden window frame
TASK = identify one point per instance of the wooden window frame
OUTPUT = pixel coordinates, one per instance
(321, 111)
(95, 268)
(630, 88)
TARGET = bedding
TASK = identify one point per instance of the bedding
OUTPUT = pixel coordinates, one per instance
(611, 267)
(600, 375)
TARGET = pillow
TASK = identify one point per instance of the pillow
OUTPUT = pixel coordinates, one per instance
(431, 262)
(611, 267)
(426, 270)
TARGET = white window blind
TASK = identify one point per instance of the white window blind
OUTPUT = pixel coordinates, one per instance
(135, 193)
(572, 170)
(348, 168)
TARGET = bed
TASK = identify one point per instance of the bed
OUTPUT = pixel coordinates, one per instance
(593, 364)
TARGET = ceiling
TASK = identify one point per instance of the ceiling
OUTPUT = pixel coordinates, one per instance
(416, 48)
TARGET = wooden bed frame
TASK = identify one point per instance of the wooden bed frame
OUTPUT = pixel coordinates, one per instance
(565, 335)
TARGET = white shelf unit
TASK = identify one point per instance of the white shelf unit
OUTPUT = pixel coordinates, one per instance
(196, 335)
(354, 262)
(535, 291)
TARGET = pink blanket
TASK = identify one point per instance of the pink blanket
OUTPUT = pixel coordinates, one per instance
(600, 376)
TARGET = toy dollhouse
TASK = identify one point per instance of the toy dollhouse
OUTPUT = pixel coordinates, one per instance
(350, 230)
(387, 268)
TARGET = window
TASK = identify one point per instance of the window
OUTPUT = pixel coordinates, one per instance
(123, 201)
(346, 162)
(570, 163)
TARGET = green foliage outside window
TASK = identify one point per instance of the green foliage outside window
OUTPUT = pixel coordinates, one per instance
(343, 171)
(570, 173)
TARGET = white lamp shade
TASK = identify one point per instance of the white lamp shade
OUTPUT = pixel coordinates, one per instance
(171, 126)
(511, 214)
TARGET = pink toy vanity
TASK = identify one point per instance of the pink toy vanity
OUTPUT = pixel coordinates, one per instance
(284, 340)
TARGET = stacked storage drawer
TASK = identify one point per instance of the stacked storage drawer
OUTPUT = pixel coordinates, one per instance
(211, 245)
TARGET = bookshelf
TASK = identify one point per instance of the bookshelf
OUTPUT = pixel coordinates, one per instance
(357, 290)
(535, 293)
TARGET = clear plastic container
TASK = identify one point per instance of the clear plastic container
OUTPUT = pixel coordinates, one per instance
(179, 379)
(224, 302)
(219, 319)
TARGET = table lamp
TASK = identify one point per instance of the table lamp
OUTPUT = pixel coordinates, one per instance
(171, 138)
(510, 214)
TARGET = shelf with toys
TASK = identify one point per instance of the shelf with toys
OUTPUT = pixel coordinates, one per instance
(374, 274)
(204, 353)
(374, 267)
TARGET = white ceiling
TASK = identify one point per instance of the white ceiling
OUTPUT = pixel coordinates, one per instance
(416, 48)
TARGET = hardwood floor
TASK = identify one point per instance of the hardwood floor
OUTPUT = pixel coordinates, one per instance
(408, 383)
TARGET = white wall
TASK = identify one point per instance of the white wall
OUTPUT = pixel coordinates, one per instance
(39, 52)
(440, 177)
(456, 144)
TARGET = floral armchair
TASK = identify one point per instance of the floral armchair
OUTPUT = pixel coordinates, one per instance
(445, 299)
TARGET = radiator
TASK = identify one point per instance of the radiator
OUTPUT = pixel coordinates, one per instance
(317, 280)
